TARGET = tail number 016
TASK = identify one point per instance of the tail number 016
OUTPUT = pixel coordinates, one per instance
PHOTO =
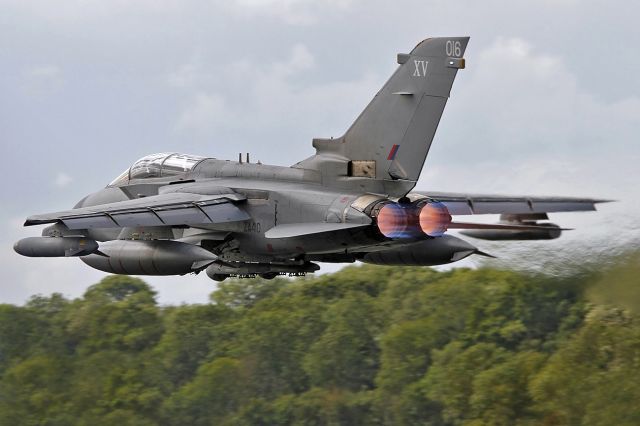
(453, 48)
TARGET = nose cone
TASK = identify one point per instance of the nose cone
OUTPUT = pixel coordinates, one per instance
(16, 248)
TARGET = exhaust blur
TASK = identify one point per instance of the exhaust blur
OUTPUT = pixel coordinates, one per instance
(398, 221)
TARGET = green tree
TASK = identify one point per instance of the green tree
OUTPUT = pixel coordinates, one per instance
(215, 393)
(366, 345)
(449, 381)
(35, 391)
(193, 335)
(117, 313)
(346, 354)
(594, 379)
(501, 392)
(246, 293)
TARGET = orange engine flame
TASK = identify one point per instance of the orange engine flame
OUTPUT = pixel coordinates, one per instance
(396, 221)
(434, 219)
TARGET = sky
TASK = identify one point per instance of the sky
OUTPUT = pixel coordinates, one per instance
(549, 104)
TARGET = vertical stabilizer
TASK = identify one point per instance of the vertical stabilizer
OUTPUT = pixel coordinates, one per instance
(392, 136)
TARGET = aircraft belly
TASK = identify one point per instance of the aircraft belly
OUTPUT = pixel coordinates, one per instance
(297, 207)
(255, 245)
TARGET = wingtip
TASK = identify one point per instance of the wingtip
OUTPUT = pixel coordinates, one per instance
(30, 221)
(35, 220)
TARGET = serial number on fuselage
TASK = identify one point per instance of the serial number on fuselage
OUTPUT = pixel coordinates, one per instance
(252, 227)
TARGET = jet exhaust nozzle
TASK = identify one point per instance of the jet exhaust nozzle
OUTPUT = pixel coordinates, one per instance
(434, 218)
(55, 246)
(396, 220)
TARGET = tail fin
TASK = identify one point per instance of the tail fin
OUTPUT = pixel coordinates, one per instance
(391, 137)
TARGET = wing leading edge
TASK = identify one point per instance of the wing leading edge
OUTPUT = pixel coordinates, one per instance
(470, 204)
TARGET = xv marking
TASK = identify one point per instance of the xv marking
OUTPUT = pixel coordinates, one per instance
(421, 68)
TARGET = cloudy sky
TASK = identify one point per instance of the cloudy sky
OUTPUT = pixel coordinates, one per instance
(549, 104)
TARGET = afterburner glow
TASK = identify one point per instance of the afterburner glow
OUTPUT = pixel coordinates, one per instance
(396, 221)
(434, 219)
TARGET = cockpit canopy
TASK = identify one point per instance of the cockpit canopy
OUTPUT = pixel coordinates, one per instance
(158, 165)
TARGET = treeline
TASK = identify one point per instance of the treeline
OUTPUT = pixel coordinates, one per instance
(367, 345)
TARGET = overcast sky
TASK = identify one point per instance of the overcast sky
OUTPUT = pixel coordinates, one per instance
(549, 105)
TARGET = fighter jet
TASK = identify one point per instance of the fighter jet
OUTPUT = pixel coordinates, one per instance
(174, 214)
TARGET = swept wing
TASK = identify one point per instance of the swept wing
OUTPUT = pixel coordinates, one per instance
(470, 204)
(157, 210)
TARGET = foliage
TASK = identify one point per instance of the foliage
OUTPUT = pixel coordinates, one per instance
(367, 345)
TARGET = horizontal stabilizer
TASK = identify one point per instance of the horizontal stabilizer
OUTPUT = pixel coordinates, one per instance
(482, 253)
(298, 229)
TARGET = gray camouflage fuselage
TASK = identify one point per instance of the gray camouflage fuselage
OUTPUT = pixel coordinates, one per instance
(274, 195)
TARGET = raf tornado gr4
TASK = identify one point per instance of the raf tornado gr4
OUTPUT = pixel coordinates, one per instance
(173, 214)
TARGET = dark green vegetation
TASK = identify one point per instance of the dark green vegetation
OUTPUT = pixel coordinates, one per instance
(367, 345)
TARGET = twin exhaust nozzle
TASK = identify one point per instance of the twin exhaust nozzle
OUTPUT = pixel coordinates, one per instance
(411, 220)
